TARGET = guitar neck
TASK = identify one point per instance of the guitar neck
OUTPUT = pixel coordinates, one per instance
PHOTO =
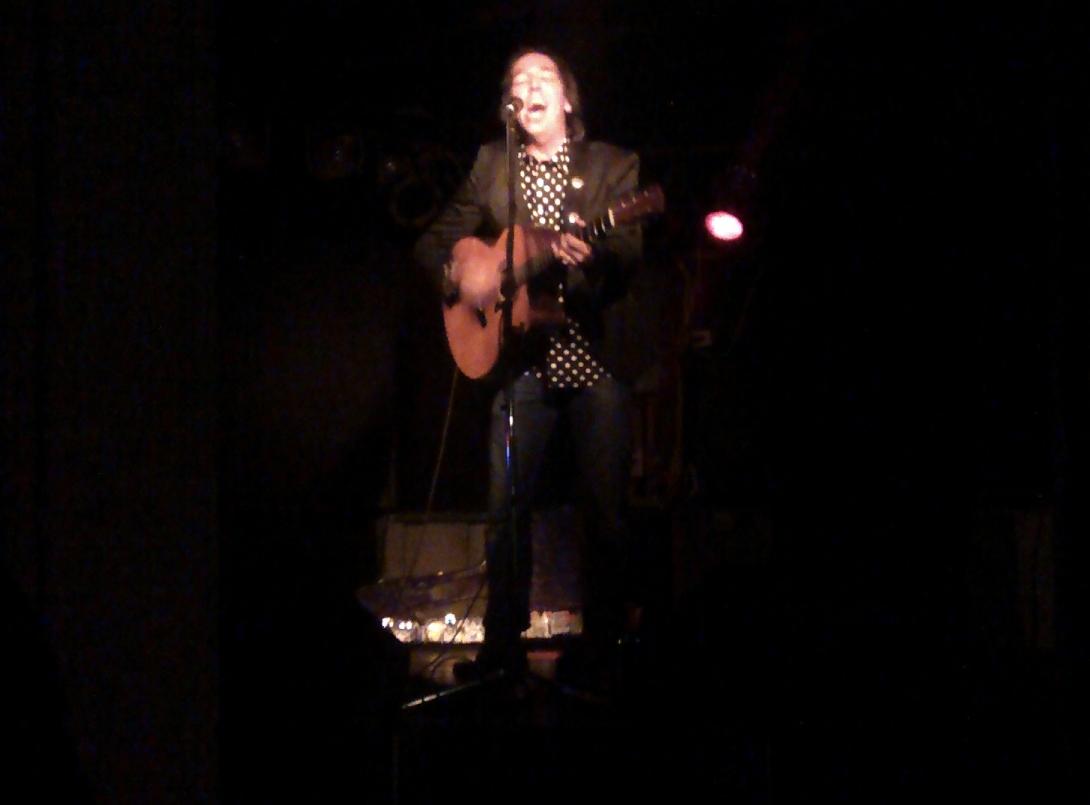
(626, 210)
(597, 229)
(590, 233)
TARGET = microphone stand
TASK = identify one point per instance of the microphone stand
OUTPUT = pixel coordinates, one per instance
(508, 289)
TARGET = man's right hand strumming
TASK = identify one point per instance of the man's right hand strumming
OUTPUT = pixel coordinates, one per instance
(477, 282)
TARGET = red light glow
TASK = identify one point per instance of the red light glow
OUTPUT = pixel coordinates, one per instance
(723, 226)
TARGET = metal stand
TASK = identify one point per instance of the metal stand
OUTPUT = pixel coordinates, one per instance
(508, 289)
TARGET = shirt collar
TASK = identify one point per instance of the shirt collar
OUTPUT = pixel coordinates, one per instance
(559, 159)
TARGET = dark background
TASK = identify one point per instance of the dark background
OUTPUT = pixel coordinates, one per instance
(220, 367)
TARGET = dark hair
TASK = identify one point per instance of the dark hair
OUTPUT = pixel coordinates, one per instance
(574, 118)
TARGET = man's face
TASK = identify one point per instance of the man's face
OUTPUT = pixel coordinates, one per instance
(536, 81)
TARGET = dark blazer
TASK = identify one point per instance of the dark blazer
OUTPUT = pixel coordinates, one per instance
(597, 294)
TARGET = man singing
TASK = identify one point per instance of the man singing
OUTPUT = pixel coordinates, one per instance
(569, 379)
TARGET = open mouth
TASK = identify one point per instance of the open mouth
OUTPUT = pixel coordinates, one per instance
(535, 108)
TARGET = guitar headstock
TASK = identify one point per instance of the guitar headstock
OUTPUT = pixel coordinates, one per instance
(638, 204)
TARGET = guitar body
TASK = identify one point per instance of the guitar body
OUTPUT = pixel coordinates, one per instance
(474, 333)
(473, 320)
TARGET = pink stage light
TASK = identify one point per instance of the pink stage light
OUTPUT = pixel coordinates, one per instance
(723, 226)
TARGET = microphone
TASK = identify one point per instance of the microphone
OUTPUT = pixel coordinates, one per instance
(511, 107)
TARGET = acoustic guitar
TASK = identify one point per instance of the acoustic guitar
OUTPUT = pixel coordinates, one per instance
(473, 325)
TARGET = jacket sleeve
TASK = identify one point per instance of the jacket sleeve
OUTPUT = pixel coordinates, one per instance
(615, 258)
(461, 217)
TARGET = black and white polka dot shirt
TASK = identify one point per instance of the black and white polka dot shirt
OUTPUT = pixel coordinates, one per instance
(568, 363)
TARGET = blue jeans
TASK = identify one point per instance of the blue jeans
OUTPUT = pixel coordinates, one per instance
(597, 421)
